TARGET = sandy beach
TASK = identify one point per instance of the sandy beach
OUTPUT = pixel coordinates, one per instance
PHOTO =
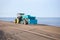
(12, 31)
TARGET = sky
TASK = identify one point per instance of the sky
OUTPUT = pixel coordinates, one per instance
(38, 8)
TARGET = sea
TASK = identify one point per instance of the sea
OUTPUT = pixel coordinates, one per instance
(53, 21)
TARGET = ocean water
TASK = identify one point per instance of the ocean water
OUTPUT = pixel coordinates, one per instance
(47, 21)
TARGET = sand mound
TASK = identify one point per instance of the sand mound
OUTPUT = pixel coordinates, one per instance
(11, 31)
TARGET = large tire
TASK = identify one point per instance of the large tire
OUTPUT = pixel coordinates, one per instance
(25, 22)
(15, 21)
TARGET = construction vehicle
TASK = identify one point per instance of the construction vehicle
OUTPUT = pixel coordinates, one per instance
(25, 19)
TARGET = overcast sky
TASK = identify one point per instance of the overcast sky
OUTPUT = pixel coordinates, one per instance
(38, 8)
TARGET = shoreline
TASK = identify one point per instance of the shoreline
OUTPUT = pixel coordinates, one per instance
(34, 24)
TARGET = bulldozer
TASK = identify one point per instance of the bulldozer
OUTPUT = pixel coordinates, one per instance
(25, 19)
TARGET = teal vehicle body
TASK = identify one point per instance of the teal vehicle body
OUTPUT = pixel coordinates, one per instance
(30, 19)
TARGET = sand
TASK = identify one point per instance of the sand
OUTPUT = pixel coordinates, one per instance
(12, 31)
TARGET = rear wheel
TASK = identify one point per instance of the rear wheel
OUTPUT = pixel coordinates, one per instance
(25, 22)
